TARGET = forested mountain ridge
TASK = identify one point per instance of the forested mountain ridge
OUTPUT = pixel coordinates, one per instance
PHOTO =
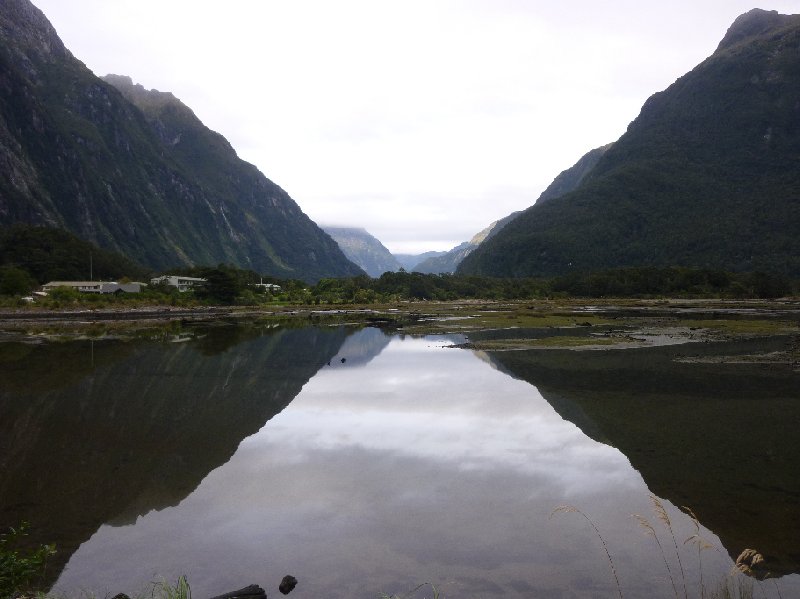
(571, 178)
(146, 179)
(706, 176)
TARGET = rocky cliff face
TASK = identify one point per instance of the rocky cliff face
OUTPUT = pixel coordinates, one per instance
(134, 170)
(706, 176)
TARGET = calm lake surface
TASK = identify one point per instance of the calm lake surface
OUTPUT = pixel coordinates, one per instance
(363, 463)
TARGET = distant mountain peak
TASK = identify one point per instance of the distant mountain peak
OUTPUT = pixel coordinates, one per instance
(363, 249)
(27, 29)
(751, 24)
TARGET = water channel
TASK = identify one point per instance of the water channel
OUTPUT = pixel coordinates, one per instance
(362, 462)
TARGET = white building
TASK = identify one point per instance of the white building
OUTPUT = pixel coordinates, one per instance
(95, 286)
(179, 281)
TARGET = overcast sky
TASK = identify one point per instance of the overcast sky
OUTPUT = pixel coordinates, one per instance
(421, 121)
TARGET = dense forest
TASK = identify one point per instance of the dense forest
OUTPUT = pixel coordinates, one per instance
(31, 256)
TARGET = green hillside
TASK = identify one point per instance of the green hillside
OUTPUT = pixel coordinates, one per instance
(707, 176)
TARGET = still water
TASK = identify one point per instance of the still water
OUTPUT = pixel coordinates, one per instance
(360, 463)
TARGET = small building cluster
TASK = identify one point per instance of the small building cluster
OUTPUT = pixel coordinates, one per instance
(95, 286)
(179, 281)
(271, 287)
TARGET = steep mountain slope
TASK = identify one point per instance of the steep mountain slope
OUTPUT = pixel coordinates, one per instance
(449, 261)
(151, 181)
(706, 176)
(570, 179)
(364, 250)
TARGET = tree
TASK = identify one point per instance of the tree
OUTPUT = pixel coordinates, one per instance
(221, 285)
(15, 281)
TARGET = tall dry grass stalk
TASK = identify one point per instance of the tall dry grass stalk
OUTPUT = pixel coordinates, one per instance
(661, 514)
(650, 531)
(702, 545)
(568, 509)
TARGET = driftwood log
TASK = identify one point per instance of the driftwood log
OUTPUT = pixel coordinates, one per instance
(249, 592)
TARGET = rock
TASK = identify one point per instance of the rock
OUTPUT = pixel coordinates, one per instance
(287, 584)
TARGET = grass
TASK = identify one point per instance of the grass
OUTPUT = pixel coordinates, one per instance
(163, 590)
(567, 509)
(559, 342)
(745, 576)
(748, 327)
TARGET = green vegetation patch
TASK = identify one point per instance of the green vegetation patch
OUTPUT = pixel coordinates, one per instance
(744, 327)
(546, 343)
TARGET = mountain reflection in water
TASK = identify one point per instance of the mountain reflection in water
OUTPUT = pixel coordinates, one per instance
(104, 432)
(718, 438)
(398, 462)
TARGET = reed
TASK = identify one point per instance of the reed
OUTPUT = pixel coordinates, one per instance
(567, 509)
(650, 531)
(701, 543)
(661, 514)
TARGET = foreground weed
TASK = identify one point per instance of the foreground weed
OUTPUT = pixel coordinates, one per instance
(180, 590)
(748, 564)
(571, 509)
(19, 571)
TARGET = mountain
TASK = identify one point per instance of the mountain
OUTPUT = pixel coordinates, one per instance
(706, 176)
(364, 250)
(135, 171)
(410, 261)
(564, 183)
(571, 178)
(449, 261)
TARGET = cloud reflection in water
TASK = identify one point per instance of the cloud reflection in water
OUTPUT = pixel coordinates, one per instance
(423, 464)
